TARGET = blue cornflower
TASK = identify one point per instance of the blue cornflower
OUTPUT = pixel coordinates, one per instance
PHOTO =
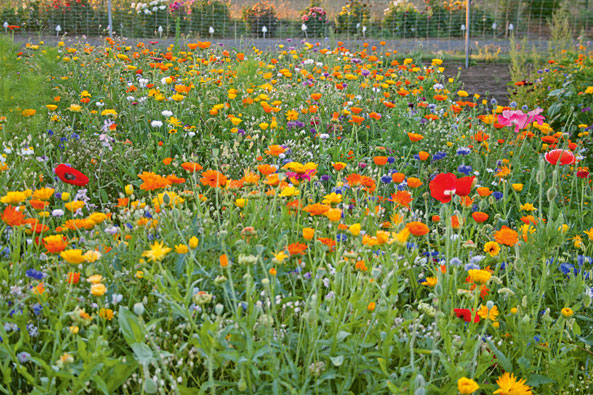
(35, 274)
(498, 195)
(465, 169)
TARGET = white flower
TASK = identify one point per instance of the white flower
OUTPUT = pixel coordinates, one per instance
(99, 104)
(211, 30)
(57, 213)
(58, 28)
(304, 27)
(167, 113)
(264, 29)
(156, 124)
(5, 25)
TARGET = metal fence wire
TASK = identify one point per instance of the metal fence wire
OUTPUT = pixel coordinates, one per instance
(490, 20)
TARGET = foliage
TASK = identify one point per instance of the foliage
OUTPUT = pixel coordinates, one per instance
(303, 220)
(353, 18)
(315, 19)
(206, 14)
(261, 19)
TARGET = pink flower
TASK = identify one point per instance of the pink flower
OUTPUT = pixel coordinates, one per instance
(565, 157)
(520, 119)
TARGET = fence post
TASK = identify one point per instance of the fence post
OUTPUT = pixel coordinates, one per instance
(467, 28)
(109, 20)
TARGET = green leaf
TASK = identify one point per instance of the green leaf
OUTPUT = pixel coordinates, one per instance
(149, 386)
(130, 326)
(119, 374)
(341, 335)
(142, 353)
(576, 329)
(502, 359)
(535, 380)
(337, 361)
(523, 363)
(382, 365)
(101, 384)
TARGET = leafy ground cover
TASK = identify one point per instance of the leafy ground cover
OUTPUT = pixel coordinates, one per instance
(311, 220)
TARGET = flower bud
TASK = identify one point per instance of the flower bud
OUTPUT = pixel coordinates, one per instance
(552, 193)
(138, 309)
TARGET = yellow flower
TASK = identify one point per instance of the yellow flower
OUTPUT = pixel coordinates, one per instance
(28, 112)
(479, 276)
(486, 313)
(97, 218)
(528, 207)
(157, 251)
(193, 242)
(181, 249)
(401, 237)
(467, 386)
(279, 257)
(332, 198)
(567, 312)
(508, 384)
(462, 94)
(74, 205)
(75, 108)
(73, 329)
(65, 196)
(517, 187)
(514, 310)
(13, 197)
(289, 191)
(140, 274)
(91, 256)
(354, 229)
(74, 257)
(129, 189)
(430, 281)
(94, 279)
(51, 107)
(98, 289)
(563, 228)
(492, 248)
(308, 233)
(589, 233)
(334, 214)
(589, 90)
(241, 203)
(106, 313)
(43, 193)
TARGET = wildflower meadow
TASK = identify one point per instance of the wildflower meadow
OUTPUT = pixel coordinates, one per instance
(310, 219)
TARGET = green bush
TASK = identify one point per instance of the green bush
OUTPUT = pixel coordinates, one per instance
(315, 19)
(353, 17)
(261, 14)
(206, 14)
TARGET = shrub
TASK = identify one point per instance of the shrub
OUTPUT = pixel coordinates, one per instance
(206, 14)
(73, 16)
(151, 16)
(353, 17)
(259, 16)
(315, 19)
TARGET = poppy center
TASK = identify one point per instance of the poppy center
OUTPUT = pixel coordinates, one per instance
(69, 176)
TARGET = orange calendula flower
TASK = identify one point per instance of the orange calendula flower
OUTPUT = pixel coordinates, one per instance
(153, 181)
(55, 243)
(417, 228)
(275, 150)
(380, 160)
(13, 217)
(296, 248)
(317, 209)
(402, 198)
(506, 236)
(224, 260)
(191, 167)
(213, 179)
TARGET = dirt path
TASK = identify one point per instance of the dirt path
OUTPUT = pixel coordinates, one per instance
(489, 80)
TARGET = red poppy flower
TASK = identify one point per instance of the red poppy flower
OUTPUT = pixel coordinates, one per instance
(466, 314)
(70, 175)
(582, 174)
(559, 155)
(445, 185)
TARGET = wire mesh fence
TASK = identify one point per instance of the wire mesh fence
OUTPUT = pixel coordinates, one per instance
(490, 20)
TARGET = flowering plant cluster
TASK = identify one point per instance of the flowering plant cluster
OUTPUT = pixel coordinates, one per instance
(308, 219)
(315, 21)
